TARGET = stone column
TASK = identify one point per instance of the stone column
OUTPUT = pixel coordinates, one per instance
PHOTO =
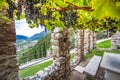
(79, 44)
(94, 40)
(60, 50)
(8, 58)
(91, 40)
(89, 33)
(66, 51)
(56, 36)
(115, 40)
(86, 42)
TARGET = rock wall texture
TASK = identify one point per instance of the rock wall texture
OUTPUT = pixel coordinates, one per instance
(60, 50)
(8, 58)
(79, 45)
(94, 40)
(115, 41)
(84, 41)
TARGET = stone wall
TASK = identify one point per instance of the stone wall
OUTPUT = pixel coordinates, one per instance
(61, 57)
(79, 46)
(60, 50)
(115, 40)
(94, 40)
(85, 41)
(8, 61)
(89, 42)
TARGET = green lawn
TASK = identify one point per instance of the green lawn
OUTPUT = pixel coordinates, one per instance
(72, 56)
(34, 69)
(100, 52)
(104, 44)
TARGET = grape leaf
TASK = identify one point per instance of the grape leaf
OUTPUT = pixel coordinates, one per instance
(105, 8)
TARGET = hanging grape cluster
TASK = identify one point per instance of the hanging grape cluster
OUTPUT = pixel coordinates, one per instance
(92, 24)
(34, 15)
(19, 10)
(106, 24)
(11, 8)
(69, 18)
(110, 24)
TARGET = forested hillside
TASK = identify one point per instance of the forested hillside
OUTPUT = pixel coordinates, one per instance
(37, 51)
(40, 49)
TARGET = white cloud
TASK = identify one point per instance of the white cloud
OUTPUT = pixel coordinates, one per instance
(23, 29)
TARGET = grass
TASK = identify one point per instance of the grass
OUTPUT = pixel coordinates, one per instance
(100, 52)
(104, 44)
(34, 69)
(95, 52)
(72, 56)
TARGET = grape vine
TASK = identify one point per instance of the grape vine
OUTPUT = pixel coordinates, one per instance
(11, 8)
(37, 12)
(58, 13)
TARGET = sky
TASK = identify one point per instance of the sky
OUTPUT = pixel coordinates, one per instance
(23, 29)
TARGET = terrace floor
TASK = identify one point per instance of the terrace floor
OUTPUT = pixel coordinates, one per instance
(75, 75)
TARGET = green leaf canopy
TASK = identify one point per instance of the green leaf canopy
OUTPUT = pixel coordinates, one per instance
(105, 8)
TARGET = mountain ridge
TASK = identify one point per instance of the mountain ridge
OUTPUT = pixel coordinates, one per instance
(21, 37)
(36, 36)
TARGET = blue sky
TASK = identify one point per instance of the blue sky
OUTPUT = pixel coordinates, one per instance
(23, 29)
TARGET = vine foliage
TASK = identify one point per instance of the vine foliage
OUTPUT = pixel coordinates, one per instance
(90, 14)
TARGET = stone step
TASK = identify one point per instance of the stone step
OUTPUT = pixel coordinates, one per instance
(79, 69)
(92, 66)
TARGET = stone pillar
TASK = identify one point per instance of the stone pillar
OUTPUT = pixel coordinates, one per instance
(115, 40)
(8, 58)
(60, 50)
(79, 44)
(89, 33)
(86, 42)
(56, 36)
(91, 40)
(49, 53)
(94, 40)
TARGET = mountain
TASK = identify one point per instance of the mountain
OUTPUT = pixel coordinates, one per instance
(39, 50)
(21, 37)
(39, 36)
